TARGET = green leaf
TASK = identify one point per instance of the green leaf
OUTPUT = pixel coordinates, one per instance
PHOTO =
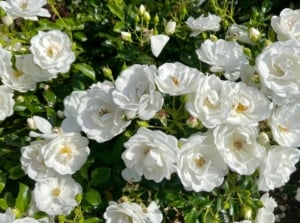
(93, 197)
(23, 198)
(50, 97)
(119, 26)
(3, 204)
(117, 7)
(192, 216)
(100, 175)
(92, 220)
(15, 172)
(80, 36)
(86, 69)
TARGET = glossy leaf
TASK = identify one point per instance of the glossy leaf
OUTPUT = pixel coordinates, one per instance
(23, 198)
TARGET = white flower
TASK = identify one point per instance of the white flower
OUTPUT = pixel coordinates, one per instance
(26, 66)
(286, 25)
(152, 213)
(44, 126)
(248, 105)
(33, 162)
(52, 51)
(239, 147)
(7, 217)
(239, 33)
(285, 125)
(157, 43)
(135, 92)
(200, 166)
(99, 117)
(26, 220)
(152, 154)
(277, 166)
(210, 103)
(66, 153)
(6, 102)
(71, 105)
(177, 78)
(170, 27)
(201, 24)
(278, 66)
(124, 212)
(223, 56)
(131, 175)
(27, 9)
(56, 196)
(265, 214)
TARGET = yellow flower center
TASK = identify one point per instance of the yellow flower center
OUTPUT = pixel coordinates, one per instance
(238, 144)
(240, 108)
(56, 192)
(200, 161)
(66, 150)
(23, 5)
(17, 73)
(283, 129)
(175, 80)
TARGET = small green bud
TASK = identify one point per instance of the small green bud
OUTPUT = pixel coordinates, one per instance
(142, 10)
(247, 52)
(213, 38)
(147, 17)
(246, 212)
(143, 124)
(156, 19)
(78, 198)
(254, 34)
(126, 36)
(137, 18)
(61, 218)
(107, 73)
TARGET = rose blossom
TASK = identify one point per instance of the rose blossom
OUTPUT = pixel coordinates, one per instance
(56, 196)
(285, 125)
(278, 67)
(239, 147)
(200, 166)
(177, 78)
(33, 162)
(265, 214)
(209, 23)
(277, 166)
(7, 102)
(152, 154)
(66, 153)
(135, 92)
(223, 56)
(287, 25)
(210, 102)
(98, 116)
(52, 51)
(27, 9)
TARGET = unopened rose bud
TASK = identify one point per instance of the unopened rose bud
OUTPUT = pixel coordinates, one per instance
(7, 20)
(147, 17)
(107, 73)
(170, 27)
(263, 138)
(142, 10)
(60, 114)
(246, 212)
(31, 123)
(126, 36)
(254, 34)
(213, 38)
(192, 122)
(156, 19)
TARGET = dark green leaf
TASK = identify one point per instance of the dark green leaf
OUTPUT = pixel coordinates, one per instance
(15, 172)
(100, 175)
(3, 204)
(116, 7)
(86, 70)
(93, 197)
(192, 216)
(50, 97)
(80, 36)
(92, 220)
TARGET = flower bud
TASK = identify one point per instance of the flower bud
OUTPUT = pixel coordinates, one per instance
(147, 17)
(246, 212)
(126, 36)
(254, 34)
(170, 27)
(263, 138)
(31, 123)
(107, 73)
(60, 114)
(156, 19)
(192, 122)
(137, 19)
(7, 20)
(142, 10)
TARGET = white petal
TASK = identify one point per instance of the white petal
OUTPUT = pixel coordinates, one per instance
(158, 42)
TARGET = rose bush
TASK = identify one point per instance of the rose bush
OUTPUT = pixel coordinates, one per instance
(126, 111)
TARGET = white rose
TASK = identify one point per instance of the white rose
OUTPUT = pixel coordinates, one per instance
(285, 125)
(239, 33)
(26, 66)
(210, 103)
(286, 25)
(239, 147)
(52, 51)
(71, 105)
(6, 102)
(223, 56)
(26, 220)
(265, 214)
(152, 213)
(177, 78)
(277, 166)
(28, 9)
(99, 117)
(7, 217)
(135, 92)
(56, 196)
(33, 162)
(66, 153)
(124, 212)
(17, 79)
(203, 23)
(200, 166)
(152, 154)
(278, 66)
(248, 105)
